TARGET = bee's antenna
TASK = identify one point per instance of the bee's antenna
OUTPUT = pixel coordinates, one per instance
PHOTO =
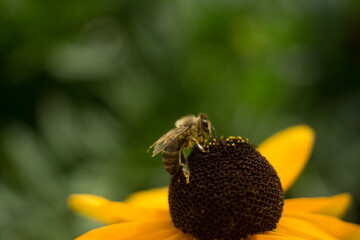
(213, 132)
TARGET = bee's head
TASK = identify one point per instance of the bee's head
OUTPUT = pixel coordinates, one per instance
(205, 124)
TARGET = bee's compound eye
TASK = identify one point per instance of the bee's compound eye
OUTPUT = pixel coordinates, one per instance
(205, 124)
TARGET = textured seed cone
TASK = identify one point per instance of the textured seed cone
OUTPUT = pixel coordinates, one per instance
(233, 192)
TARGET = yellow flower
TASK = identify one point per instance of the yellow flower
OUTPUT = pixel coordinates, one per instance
(146, 215)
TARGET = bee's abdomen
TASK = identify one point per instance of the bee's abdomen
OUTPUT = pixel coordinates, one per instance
(170, 157)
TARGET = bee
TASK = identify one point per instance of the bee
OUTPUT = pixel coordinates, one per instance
(189, 130)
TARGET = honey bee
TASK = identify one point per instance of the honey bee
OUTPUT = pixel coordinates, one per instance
(188, 130)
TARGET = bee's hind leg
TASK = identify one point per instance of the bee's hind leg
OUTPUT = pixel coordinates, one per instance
(184, 165)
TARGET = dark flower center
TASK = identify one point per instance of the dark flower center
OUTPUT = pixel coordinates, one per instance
(233, 192)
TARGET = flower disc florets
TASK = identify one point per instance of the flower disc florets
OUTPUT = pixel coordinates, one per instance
(233, 192)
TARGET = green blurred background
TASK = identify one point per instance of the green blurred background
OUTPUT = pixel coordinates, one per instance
(87, 86)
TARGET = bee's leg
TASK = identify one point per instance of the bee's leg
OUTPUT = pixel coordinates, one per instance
(202, 138)
(184, 165)
(152, 146)
(198, 144)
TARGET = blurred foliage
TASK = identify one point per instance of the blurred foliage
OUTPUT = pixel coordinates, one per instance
(87, 86)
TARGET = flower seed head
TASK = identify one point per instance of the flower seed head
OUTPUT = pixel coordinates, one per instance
(233, 192)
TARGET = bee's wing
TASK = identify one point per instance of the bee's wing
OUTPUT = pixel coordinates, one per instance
(167, 138)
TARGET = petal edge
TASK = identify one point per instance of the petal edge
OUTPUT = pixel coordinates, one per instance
(289, 147)
(153, 198)
(332, 225)
(106, 211)
(336, 205)
(132, 230)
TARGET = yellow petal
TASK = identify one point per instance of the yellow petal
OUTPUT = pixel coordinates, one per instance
(181, 236)
(274, 236)
(113, 212)
(301, 228)
(154, 198)
(132, 231)
(334, 206)
(332, 225)
(288, 152)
